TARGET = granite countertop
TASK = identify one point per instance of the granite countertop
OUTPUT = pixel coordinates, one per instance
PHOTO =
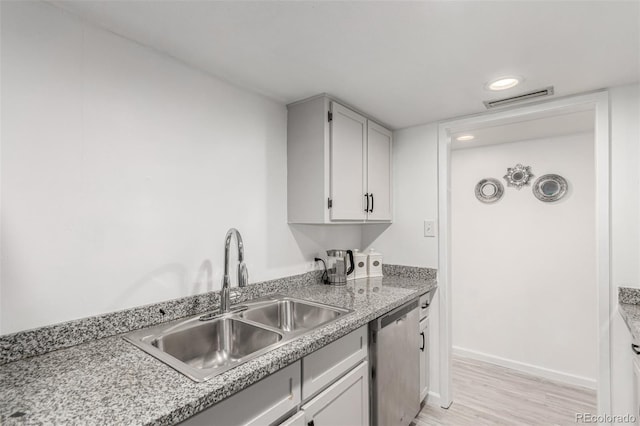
(631, 314)
(629, 308)
(110, 381)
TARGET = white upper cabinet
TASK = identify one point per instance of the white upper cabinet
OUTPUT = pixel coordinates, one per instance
(338, 165)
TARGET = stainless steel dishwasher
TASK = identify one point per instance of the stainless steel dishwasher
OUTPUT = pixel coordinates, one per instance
(395, 367)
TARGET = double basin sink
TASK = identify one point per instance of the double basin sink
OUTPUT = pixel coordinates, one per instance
(206, 345)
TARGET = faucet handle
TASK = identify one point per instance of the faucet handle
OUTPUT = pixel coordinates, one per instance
(243, 275)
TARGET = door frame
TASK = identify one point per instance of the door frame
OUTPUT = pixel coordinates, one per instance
(595, 101)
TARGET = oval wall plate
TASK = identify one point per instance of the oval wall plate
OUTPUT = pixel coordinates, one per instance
(550, 188)
(489, 190)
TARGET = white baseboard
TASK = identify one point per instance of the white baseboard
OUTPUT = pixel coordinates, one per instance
(433, 399)
(546, 373)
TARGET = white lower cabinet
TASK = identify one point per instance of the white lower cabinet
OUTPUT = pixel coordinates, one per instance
(260, 404)
(636, 387)
(346, 402)
(423, 343)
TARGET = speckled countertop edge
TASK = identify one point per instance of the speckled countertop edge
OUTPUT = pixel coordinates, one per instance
(96, 382)
(414, 272)
(629, 308)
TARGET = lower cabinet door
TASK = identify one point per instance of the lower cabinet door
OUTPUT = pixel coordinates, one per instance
(423, 347)
(636, 388)
(344, 403)
(260, 404)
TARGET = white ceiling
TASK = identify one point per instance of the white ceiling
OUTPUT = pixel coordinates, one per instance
(404, 63)
(538, 128)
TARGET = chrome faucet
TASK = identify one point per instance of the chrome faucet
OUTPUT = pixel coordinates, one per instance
(243, 274)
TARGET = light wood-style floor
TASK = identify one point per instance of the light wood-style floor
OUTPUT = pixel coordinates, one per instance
(486, 394)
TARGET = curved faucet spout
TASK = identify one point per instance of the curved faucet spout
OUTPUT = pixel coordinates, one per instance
(227, 245)
(243, 274)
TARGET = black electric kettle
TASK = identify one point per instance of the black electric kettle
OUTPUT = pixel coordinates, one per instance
(340, 264)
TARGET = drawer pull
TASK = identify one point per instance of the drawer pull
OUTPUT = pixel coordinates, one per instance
(635, 348)
(425, 306)
(422, 348)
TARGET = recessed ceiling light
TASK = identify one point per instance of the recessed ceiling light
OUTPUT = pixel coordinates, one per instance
(463, 138)
(503, 83)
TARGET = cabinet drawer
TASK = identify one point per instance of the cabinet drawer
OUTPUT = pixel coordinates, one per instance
(324, 366)
(260, 404)
(425, 301)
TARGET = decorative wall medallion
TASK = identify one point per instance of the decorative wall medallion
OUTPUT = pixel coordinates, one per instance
(549, 188)
(489, 190)
(518, 176)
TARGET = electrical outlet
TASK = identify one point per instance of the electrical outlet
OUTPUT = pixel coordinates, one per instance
(429, 228)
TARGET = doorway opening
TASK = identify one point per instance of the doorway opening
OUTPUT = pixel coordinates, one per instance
(516, 272)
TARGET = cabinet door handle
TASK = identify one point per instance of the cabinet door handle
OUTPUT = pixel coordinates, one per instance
(371, 211)
(311, 423)
(422, 348)
(425, 306)
(635, 348)
(366, 197)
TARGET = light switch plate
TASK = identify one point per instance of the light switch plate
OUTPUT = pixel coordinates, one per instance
(429, 228)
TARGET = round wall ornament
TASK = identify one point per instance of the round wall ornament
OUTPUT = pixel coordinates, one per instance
(550, 188)
(489, 190)
(518, 176)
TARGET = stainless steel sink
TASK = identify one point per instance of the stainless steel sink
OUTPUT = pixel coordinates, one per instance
(201, 347)
(292, 315)
(215, 343)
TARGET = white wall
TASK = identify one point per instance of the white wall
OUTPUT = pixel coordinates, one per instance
(122, 170)
(523, 271)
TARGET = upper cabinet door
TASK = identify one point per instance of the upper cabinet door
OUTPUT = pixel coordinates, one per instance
(379, 172)
(348, 164)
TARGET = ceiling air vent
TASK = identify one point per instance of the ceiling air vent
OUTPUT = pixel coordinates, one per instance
(547, 91)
